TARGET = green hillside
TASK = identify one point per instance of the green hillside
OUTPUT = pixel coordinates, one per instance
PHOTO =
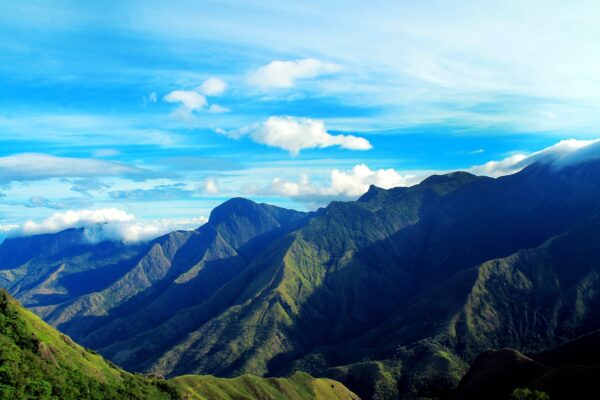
(299, 386)
(38, 362)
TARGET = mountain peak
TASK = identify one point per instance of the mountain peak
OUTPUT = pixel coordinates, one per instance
(447, 183)
(372, 193)
(239, 220)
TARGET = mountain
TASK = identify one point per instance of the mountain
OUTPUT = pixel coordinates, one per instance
(569, 371)
(75, 284)
(38, 362)
(394, 294)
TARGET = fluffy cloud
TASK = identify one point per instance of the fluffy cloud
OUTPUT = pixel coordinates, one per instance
(283, 74)
(189, 99)
(35, 166)
(211, 186)
(295, 134)
(342, 184)
(104, 224)
(565, 152)
(195, 100)
(212, 87)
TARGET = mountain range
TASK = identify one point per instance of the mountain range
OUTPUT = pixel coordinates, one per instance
(394, 294)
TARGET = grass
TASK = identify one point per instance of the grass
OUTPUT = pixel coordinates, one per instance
(299, 386)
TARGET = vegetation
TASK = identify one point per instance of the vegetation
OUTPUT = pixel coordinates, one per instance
(299, 386)
(528, 394)
(37, 362)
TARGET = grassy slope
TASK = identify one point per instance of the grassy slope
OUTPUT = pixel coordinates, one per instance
(299, 386)
(38, 362)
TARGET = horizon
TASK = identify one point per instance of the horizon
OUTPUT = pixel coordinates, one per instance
(161, 113)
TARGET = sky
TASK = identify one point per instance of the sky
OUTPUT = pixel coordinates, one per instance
(149, 114)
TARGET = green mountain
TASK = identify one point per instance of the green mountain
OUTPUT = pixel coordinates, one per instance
(393, 294)
(38, 362)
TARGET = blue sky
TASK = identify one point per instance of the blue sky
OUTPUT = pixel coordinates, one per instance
(162, 110)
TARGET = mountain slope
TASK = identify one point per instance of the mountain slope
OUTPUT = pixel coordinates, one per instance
(531, 300)
(569, 371)
(299, 386)
(38, 362)
(79, 286)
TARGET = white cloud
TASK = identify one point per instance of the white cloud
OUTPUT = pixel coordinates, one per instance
(565, 152)
(8, 228)
(212, 87)
(36, 166)
(283, 74)
(211, 186)
(189, 99)
(196, 100)
(104, 224)
(341, 185)
(217, 109)
(295, 134)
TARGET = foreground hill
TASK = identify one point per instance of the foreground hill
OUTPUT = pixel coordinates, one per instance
(38, 362)
(570, 371)
(393, 294)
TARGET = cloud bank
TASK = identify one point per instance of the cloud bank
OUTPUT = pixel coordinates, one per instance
(284, 74)
(563, 153)
(342, 184)
(295, 134)
(104, 224)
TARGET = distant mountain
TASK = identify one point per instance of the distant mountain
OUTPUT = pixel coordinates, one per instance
(570, 371)
(393, 294)
(38, 362)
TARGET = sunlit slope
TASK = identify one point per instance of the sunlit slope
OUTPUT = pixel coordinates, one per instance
(299, 386)
(38, 362)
